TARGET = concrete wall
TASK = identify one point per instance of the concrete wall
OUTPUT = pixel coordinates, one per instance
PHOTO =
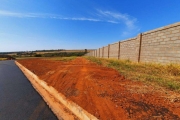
(113, 50)
(97, 53)
(161, 45)
(129, 49)
(105, 52)
(101, 52)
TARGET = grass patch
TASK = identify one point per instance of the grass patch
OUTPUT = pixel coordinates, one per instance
(21, 58)
(64, 59)
(63, 54)
(2, 59)
(167, 76)
(95, 60)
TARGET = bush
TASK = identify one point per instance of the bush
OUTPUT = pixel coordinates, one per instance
(64, 54)
(38, 55)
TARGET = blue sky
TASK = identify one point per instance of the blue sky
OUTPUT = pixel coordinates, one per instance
(79, 24)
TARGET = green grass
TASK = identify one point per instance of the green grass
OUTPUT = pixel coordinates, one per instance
(93, 59)
(167, 76)
(20, 58)
(65, 59)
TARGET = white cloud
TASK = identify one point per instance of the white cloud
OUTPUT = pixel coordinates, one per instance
(111, 21)
(81, 19)
(52, 16)
(13, 14)
(118, 18)
(100, 16)
(105, 16)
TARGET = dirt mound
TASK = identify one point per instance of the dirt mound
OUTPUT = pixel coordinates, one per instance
(103, 92)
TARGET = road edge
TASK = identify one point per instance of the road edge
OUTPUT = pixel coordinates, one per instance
(59, 104)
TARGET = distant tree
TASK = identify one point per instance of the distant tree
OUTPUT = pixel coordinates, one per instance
(85, 50)
(38, 55)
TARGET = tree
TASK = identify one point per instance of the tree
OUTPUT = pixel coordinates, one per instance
(85, 50)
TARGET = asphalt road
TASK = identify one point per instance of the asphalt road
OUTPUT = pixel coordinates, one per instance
(18, 99)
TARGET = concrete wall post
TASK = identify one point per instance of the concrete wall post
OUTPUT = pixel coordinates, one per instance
(140, 42)
(119, 50)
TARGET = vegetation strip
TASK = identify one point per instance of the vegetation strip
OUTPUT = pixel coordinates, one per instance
(167, 76)
(74, 108)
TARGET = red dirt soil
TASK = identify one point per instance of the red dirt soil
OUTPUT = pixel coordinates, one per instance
(103, 92)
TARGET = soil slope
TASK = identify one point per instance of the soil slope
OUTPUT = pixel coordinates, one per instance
(103, 92)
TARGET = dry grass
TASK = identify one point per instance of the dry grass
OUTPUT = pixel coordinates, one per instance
(167, 76)
(46, 52)
(2, 59)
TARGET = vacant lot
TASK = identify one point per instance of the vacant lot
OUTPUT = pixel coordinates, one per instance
(105, 93)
